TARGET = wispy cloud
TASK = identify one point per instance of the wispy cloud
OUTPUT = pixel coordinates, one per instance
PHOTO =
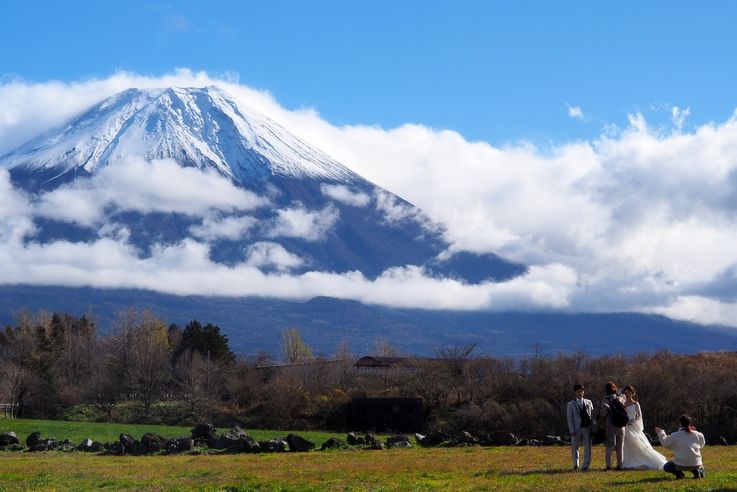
(232, 228)
(302, 223)
(138, 185)
(343, 194)
(575, 112)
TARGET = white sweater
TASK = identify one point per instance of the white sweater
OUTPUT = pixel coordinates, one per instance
(686, 445)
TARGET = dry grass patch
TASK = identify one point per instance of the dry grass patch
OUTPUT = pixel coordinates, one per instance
(473, 468)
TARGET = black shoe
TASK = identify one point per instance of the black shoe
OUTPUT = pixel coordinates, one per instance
(585, 468)
(608, 468)
(680, 475)
(619, 468)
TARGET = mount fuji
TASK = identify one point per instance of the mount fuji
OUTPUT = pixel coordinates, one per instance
(357, 226)
(252, 193)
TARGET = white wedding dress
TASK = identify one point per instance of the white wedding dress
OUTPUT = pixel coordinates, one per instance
(638, 453)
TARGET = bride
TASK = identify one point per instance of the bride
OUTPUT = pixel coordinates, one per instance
(638, 453)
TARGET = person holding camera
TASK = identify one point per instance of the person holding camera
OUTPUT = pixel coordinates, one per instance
(578, 413)
(686, 443)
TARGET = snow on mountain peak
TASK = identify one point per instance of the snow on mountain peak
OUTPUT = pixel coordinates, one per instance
(201, 127)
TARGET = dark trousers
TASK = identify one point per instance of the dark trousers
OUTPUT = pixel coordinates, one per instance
(671, 467)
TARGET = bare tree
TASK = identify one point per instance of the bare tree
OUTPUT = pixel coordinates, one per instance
(294, 349)
(384, 348)
(194, 376)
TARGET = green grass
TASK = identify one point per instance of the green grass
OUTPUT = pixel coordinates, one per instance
(76, 431)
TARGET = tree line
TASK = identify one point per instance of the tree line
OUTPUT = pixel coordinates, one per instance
(55, 365)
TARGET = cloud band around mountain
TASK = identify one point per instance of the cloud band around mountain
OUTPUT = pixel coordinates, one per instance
(639, 219)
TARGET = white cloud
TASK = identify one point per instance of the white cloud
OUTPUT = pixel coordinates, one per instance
(575, 112)
(186, 269)
(232, 228)
(137, 185)
(15, 212)
(637, 219)
(264, 254)
(302, 223)
(678, 116)
(345, 195)
(394, 210)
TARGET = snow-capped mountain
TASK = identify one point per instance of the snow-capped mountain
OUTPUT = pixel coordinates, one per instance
(200, 127)
(362, 226)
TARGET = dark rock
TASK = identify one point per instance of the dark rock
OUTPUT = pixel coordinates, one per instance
(333, 443)
(44, 444)
(351, 439)
(138, 449)
(96, 447)
(107, 445)
(433, 439)
(376, 446)
(299, 444)
(8, 438)
(465, 438)
(127, 441)
(85, 445)
(15, 447)
(184, 444)
(33, 439)
(498, 438)
(153, 443)
(204, 432)
(273, 445)
(232, 437)
(535, 442)
(369, 439)
(117, 448)
(398, 441)
(245, 445)
(553, 441)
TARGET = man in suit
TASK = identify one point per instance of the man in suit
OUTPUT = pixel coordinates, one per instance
(579, 426)
(614, 435)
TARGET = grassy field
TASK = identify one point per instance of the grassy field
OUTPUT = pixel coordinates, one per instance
(460, 469)
(474, 468)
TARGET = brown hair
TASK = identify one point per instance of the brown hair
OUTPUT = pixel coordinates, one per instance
(686, 422)
(632, 389)
(610, 388)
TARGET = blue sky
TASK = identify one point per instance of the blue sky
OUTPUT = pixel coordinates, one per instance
(493, 71)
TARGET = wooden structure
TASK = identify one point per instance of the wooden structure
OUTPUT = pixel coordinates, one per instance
(386, 414)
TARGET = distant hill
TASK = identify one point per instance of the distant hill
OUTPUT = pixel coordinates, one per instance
(254, 325)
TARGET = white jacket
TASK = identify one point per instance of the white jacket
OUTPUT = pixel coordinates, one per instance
(686, 445)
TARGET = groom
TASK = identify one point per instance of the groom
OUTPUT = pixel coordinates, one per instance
(579, 425)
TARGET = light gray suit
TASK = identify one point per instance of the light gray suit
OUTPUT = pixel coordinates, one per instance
(579, 435)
